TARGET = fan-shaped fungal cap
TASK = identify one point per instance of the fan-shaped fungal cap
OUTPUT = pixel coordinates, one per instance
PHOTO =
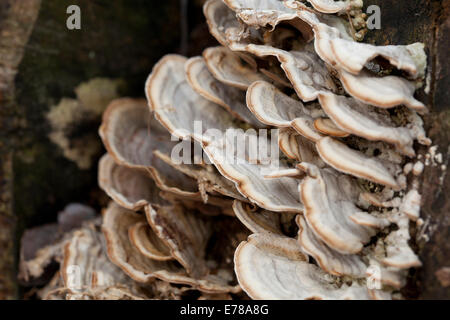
(330, 203)
(384, 92)
(131, 135)
(331, 6)
(352, 56)
(297, 147)
(350, 161)
(177, 106)
(129, 187)
(258, 220)
(43, 245)
(273, 107)
(270, 194)
(262, 13)
(185, 233)
(328, 259)
(227, 67)
(370, 122)
(398, 252)
(116, 223)
(232, 99)
(82, 273)
(248, 173)
(328, 127)
(206, 174)
(273, 267)
(148, 243)
(219, 18)
(304, 69)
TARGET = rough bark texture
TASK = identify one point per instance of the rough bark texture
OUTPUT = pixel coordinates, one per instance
(122, 39)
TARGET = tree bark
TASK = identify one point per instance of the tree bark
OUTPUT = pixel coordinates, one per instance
(17, 19)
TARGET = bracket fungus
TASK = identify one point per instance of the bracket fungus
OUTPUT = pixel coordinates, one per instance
(329, 216)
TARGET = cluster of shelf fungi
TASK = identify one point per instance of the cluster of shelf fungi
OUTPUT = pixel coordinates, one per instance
(328, 219)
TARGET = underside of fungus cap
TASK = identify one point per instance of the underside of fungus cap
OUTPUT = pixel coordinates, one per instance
(148, 243)
(272, 267)
(116, 224)
(185, 233)
(304, 69)
(129, 187)
(370, 122)
(231, 98)
(259, 220)
(227, 67)
(384, 92)
(131, 135)
(331, 6)
(328, 259)
(249, 173)
(265, 13)
(330, 202)
(90, 273)
(347, 160)
(273, 107)
(178, 107)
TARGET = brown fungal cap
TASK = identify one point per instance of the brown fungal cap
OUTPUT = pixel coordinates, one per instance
(330, 202)
(185, 233)
(353, 162)
(273, 107)
(258, 220)
(177, 106)
(121, 251)
(271, 194)
(90, 275)
(227, 67)
(304, 69)
(328, 259)
(128, 187)
(371, 123)
(327, 126)
(385, 92)
(331, 6)
(148, 243)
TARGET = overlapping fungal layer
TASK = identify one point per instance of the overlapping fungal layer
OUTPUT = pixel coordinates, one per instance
(168, 217)
(347, 126)
(329, 213)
